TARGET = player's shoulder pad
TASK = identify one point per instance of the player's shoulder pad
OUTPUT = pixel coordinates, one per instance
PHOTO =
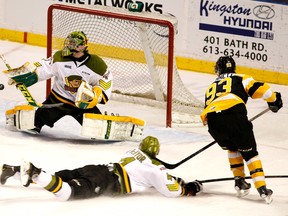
(241, 75)
(156, 162)
(96, 64)
(57, 57)
(247, 78)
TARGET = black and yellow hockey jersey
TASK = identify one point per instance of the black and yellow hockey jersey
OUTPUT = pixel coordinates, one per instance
(231, 89)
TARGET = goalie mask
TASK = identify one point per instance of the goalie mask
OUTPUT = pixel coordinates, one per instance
(150, 145)
(75, 42)
(225, 64)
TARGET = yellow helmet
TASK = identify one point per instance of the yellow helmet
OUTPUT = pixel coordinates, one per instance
(150, 145)
(73, 41)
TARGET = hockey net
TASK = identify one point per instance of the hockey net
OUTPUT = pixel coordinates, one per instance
(139, 50)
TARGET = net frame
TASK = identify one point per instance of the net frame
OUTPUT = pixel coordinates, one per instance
(119, 13)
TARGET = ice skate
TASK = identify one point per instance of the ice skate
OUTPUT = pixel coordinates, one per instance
(28, 171)
(241, 186)
(33, 131)
(265, 194)
(8, 171)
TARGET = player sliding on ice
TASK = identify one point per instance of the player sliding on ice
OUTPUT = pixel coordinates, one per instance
(135, 172)
(81, 82)
(226, 115)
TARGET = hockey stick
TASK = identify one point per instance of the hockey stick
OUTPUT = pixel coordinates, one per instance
(231, 178)
(26, 93)
(31, 100)
(173, 166)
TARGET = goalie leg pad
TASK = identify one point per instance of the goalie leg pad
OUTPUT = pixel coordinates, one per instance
(97, 126)
(10, 119)
(20, 118)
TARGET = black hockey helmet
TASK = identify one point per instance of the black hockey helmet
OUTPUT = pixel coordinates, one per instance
(225, 64)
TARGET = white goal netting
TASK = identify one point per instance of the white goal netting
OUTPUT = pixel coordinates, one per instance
(138, 48)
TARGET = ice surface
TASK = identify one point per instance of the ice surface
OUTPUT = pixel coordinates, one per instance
(63, 147)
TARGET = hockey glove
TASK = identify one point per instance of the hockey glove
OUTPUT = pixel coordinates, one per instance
(25, 74)
(88, 97)
(192, 188)
(277, 104)
(179, 180)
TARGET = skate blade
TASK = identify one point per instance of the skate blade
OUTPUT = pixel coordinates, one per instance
(31, 132)
(268, 199)
(242, 193)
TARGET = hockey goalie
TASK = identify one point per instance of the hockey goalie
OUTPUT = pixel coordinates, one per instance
(81, 82)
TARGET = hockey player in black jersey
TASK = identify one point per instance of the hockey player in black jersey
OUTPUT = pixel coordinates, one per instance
(136, 171)
(226, 115)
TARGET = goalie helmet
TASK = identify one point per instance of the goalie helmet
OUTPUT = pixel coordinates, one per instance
(225, 64)
(75, 42)
(150, 145)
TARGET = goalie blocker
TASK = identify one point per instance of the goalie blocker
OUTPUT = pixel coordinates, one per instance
(95, 126)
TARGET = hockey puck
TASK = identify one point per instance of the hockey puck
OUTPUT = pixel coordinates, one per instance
(1, 86)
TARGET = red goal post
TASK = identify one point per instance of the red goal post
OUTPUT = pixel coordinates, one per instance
(138, 48)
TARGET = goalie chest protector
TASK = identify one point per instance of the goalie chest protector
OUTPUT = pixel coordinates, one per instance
(110, 127)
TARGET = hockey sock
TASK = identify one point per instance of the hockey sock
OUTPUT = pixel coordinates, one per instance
(256, 171)
(236, 163)
(54, 184)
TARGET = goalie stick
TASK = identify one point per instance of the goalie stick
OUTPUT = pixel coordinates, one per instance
(25, 92)
(31, 100)
(173, 166)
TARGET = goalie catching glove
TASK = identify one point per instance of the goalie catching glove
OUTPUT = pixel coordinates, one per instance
(88, 97)
(25, 74)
